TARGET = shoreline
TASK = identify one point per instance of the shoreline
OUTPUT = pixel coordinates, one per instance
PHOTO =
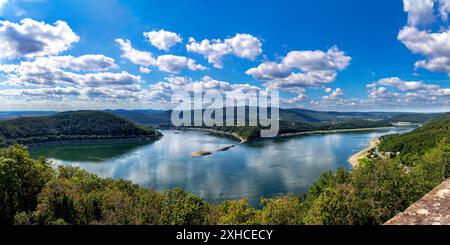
(94, 141)
(234, 135)
(331, 131)
(354, 159)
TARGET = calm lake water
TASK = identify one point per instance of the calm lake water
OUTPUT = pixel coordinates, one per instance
(260, 168)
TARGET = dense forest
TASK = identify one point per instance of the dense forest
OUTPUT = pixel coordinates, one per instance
(79, 125)
(288, 127)
(33, 192)
(414, 144)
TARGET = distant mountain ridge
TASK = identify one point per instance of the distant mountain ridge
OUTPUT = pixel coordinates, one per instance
(155, 117)
(163, 117)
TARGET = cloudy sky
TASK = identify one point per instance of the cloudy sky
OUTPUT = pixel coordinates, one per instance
(347, 55)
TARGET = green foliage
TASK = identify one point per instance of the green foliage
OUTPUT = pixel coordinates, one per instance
(414, 117)
(382, 190)
(237, 213)
(21, 180)
(419, 141)
(77, 197)
(283, 210)
(182, 208)
(434, 167)
(80, 125)
(334, 206)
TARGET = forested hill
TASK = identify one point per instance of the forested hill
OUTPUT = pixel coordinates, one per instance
(420, 140)
(76, 125)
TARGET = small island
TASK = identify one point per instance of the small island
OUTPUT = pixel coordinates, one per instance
(200, 153)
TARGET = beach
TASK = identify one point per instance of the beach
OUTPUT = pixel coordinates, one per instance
(354, 160)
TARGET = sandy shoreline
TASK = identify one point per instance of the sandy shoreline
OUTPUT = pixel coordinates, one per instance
(354, 160)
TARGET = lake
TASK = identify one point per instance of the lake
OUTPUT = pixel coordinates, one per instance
(259, 168)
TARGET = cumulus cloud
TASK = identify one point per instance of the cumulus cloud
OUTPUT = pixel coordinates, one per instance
(333, 94)
(31, 38)
(135, 56)
(405, 94)
(48, 93)
(295, 100)
(167, 63)
(174, 64)
(68, 71)
(2, 4)
(163, 90)
(419, 11)
(212, 50)
(435, 47)
(145, 70)
(406, 85)
(245, 46)
(301, 69)
(162, 39)
(90, 62)
(241, 45)
(444, 9)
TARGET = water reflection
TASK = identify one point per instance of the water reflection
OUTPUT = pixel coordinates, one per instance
(259, 168)
(87, 152)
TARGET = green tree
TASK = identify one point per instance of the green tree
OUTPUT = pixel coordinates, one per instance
(181, 208)
(283, 210)
(21, 180)
(237, 213)
(334, 206)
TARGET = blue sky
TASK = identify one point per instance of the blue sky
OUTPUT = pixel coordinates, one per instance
(330, 55)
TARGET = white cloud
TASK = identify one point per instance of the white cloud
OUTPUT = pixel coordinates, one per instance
(333, 95)
(409, 94)
(300, 97)
(144, 70)
(135, 56)
(420, 12)
(444, 9)
(162, 39)
(212, 50)
(434, 46)
(31, 38)
(167, 63)
(406, 85)
(54, 93)
(90, 62)
(242, 45)
(7, 68)
(245, 46)
(162, 91)
(2, 5)
(302, 69)
(174, 64)
(57, 71)
(269, 71)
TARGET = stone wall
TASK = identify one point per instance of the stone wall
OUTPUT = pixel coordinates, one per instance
(432, 209)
